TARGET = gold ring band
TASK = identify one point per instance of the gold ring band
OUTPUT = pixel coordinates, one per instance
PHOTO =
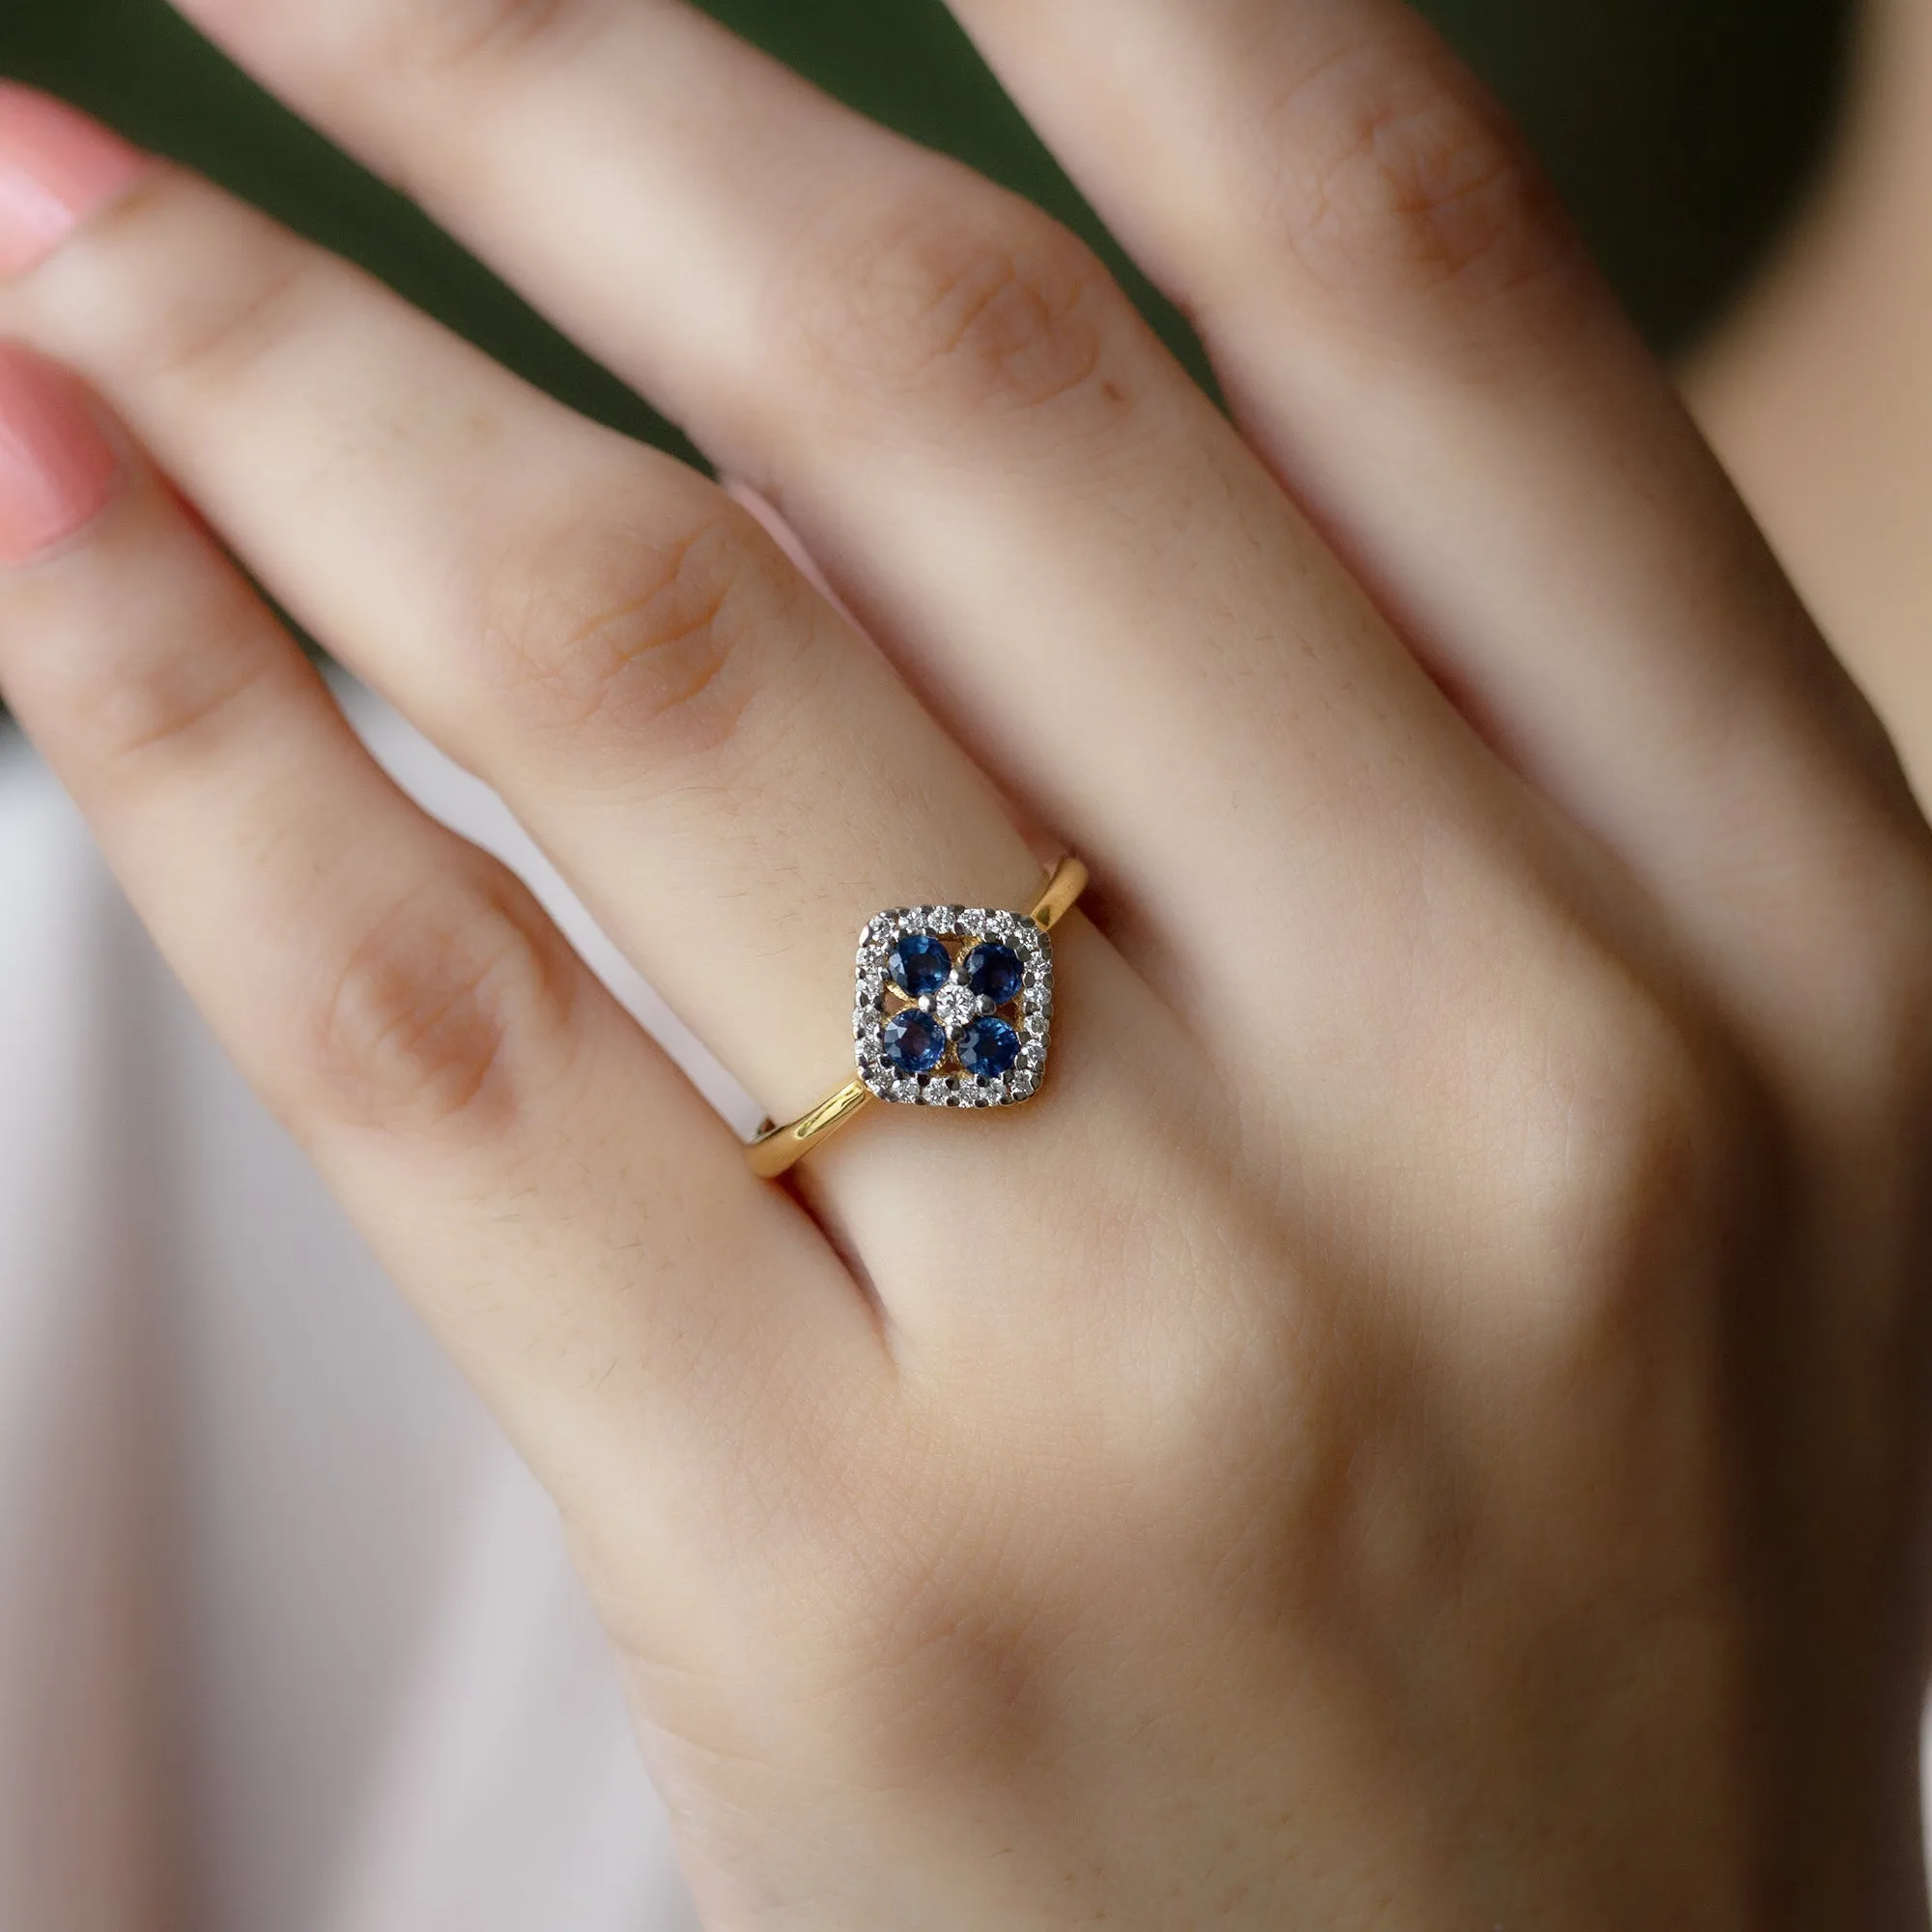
(778, 1150)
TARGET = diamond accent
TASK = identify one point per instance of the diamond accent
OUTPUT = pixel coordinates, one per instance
(955, 1006)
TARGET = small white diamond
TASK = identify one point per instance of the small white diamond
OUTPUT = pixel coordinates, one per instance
(1022, 1086)
(1038, 1025)
(1000, 925)
(934, 1094)
(940, 919)
(1033, 1057)
(955, 1006)
(905, 1092)
(974, 919)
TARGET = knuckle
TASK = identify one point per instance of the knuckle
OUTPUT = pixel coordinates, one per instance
(247, 299)
(660, 646)
(1396, 175)
(177, 281)
(447, 1012)
(176, 704)
(1637, 1135)
(979, 301)
(195, 674)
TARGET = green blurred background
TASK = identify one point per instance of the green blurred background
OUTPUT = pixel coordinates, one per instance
(1680, 130)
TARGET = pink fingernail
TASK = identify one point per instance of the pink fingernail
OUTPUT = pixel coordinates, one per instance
(57, 470)
(56, 168)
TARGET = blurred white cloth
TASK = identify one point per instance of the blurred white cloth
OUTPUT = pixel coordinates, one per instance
(288, 1640)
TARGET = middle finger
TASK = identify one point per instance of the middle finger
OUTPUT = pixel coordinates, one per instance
(1001, 470)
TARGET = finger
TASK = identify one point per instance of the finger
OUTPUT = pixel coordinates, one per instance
(734, 779)
(1412, 333)
(575, 1222)
(960, 414)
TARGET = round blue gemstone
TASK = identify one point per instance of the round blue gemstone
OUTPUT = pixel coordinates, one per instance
(994, 973)
(988, 1049)
(915, 1042)
(920, 965)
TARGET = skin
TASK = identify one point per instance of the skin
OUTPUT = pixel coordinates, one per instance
(1419, 1426)
(1817, 392)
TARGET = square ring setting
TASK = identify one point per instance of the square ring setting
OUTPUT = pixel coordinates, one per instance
(955, 1006)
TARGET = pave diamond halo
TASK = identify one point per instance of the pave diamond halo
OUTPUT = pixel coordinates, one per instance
(955, 1008)
(947, 999)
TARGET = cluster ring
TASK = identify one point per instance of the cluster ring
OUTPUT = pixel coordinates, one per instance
(955, 1008)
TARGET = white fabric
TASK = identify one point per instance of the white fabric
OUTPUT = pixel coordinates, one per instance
(288, 1640)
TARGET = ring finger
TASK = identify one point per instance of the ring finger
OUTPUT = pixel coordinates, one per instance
(729, 773)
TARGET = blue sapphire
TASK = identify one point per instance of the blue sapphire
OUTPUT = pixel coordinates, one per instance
(988, 1049)
(994, 973)
(920, 965)
(915, 1042)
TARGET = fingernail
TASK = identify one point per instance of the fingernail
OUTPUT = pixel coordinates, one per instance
(57, 470)
(56, 168)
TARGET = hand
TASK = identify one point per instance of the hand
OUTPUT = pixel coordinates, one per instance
(1420, 1424)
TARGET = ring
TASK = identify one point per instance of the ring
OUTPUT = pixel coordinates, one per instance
(955, 1008)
